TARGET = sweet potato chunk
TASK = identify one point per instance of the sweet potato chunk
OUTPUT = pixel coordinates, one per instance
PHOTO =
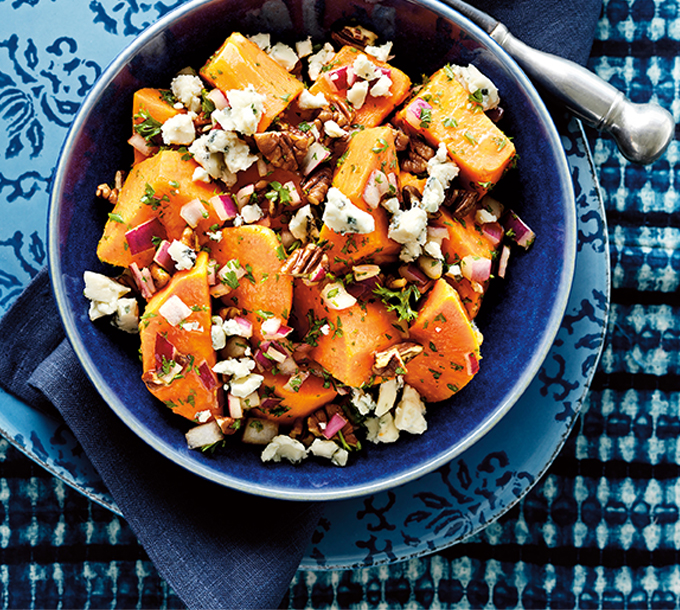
(240, 62)
(375, 108)
(465, 238)
(178, 356)
(157, 187)
(474, 142)
(368, 166)
(347, 346)
(263, 292)
(313, 393)
(450, 356)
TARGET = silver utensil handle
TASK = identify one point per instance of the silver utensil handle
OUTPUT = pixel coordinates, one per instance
(642, 131)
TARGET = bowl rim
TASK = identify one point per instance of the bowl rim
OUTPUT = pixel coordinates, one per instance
(323, 493)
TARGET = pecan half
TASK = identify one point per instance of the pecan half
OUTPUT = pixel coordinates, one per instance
(355, 36)
(338, 110)
(316, 185)
(411, 196)
(392, 361)
(310, 262)
(285, 149)
(461, 202)
(401, 140)
(418, 153)
(104, 191)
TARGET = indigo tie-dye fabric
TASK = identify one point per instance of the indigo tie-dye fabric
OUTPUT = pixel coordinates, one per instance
(600, 528)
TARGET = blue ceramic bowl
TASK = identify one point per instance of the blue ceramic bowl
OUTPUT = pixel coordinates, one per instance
(519, 319)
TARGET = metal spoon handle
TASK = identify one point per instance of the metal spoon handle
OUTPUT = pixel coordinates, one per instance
(642, 131)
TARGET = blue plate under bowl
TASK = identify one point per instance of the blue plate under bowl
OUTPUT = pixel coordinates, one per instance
(520, 316)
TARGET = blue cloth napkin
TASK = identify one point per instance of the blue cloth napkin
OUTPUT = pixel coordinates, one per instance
(217, 548)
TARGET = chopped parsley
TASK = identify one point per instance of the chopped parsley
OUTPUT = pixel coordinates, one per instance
(403, 297)
(148, 127)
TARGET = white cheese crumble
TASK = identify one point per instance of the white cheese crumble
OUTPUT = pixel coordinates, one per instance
(237, 367)
(308, 101)
(191, 326)
(365, 68)
(284, 447)
(178, 129)
(333, 130)
(329, 450)
(200, 175)
(409, 226)
(236, 152)
(357, 94)
(187, 89)
(382, 52)
(243, 115)
(244, 386)
(300, 223)
(233, 329)
(319, 60)
(409, 415)
(126, 316)
(381, 429)
(363, 401)
(262, 40)
(183, 256)
(251, 213)
(304, 48)
(174, 310)
(103, 292)
(283, 55)
(381, 88)
(342, 216)
(473, 80)
(217, 335)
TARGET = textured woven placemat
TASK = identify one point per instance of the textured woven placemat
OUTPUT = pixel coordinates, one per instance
(601, 529)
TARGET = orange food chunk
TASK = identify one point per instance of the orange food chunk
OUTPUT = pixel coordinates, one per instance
(375, 108)
(313, 393)
(239, 63)
(465, 238)
(451, 345)
(151, 102)
(192, 387)
(155, 188)
(474, 142)
(264, 292)
(353, 335)
(370, 151)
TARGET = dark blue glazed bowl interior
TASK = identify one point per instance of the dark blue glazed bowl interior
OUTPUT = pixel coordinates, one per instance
(520, 316)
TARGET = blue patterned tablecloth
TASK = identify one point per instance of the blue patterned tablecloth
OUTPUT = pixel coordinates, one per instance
(600, 529)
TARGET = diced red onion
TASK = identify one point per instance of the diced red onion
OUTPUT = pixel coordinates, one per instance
(163, 258)
(376, 186)
(164, 351)
(238, 272)
(212, 272)
(295, 381)
(219, 290)
(386, 71)
(335, 424)
(138, 142)
(518, 230)
(218, 98)
(471, 363)
(288, 367)
(141, 237)
(341, 78)
(294, 195)
(414, 112)
(263, 363)
(274, 351)
(207, 377)
(318, 274)
(193, 212)
(476, 268)
(244, 194)
(174, 310)
(503, 261)
(316, 154)
(411, 273)
(234, 406)
(438, 234)
(274, 329)
(224, 207)
(246, 326)
(270, 402)
(494, 231)
(143, 280)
